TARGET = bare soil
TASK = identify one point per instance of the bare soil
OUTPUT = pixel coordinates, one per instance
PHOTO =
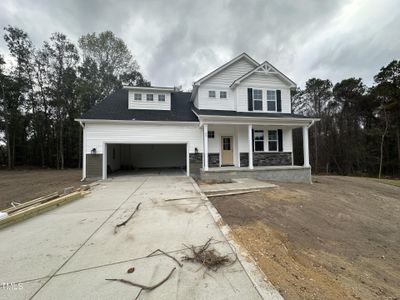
(24, 185)
(338, 238)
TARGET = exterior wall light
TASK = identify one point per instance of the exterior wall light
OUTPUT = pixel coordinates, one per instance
(93, 151)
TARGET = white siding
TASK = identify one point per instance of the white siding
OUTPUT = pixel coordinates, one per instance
(97, 134)
(221, 82)
(144, 104)
(204, 102)
(264, 82)
(228, 75)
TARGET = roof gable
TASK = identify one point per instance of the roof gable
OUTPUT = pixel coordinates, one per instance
(267, 69)
(243, 56)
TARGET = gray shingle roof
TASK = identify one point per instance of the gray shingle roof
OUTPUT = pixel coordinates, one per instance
(209, 112)
(115, 107)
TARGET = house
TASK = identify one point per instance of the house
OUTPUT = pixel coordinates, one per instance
(236, 122)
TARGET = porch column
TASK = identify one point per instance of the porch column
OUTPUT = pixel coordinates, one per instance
(250, 138)
(205, 146)
(305, 147)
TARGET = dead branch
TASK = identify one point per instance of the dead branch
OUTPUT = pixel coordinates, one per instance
(127, 220)
(208, 258)
(144, 287)
(166, 254)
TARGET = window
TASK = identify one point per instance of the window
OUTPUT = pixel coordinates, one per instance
(222, 94)
(138, 96)
(226, 143)
(257, 100)
(211, 94)
(258, 140)
(272, 140)
(271, 100)
(161, 98)
(149, 97)
(211, 134)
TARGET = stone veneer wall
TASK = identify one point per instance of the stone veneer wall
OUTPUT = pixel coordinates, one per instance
(94, 165)
(196, 162)
(261, 159)
(213, 159)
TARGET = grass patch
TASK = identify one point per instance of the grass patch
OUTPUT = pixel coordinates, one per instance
(395, 182)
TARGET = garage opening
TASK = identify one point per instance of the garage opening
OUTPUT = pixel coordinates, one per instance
(146, 158)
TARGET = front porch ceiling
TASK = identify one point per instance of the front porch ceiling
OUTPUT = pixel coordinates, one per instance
(268, 121)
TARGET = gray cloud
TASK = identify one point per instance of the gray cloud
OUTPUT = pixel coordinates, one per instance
(178, 42)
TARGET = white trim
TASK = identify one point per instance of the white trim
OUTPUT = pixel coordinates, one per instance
(138, 122)
(227, 64)
(149, 88)
(104, 167)
(250, 144)
(205, 146)
(266, 68)
(187, 160)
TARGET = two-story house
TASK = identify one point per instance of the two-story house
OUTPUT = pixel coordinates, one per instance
(236, 122)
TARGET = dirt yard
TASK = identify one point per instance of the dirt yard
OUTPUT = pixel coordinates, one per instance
(336, 239)
(25, 185)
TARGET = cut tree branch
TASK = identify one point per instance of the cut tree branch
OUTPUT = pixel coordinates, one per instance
(127, 220)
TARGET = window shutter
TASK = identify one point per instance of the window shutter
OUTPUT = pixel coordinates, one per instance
(250, 99)
(278, 101)
(280, 140)
(252, 138)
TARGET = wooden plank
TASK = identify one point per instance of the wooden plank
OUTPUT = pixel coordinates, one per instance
(31, 202)
(39, 208)
(232, 193)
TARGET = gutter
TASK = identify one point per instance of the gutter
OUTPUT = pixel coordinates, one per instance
(83, 127)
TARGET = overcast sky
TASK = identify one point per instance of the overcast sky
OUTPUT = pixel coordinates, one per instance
(177, 42)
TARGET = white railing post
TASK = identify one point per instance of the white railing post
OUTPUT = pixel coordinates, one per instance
(250, 137)
(305, 147)
(205, 146)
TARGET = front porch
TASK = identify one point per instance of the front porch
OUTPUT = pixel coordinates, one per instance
(254, 148)
(275, 173)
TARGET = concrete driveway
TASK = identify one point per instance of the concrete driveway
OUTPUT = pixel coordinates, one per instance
(67, 253)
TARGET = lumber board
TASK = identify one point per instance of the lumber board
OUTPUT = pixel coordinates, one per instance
(232, 193)
(31, 202)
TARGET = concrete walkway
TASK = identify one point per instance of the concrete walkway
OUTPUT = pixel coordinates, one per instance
(67, 253)
(235, 185)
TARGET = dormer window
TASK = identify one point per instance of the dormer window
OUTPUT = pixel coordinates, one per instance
(161, 98)
(211, 94)
(271, 100)
(138, 97)
(257, 99)
(222, 94)
(149, 97)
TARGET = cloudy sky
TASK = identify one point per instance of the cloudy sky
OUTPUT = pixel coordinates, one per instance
(176, 42)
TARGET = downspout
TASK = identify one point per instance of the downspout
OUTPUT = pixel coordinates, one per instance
(83, 151)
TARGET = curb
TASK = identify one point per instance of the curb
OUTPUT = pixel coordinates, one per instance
(257, 277)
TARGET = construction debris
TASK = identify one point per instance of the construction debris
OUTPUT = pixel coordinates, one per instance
(166, 254)
(141, 286)
(232, 193)
(209, 258)
(127, 220)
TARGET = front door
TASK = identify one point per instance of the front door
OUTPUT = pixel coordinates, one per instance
(226, 151)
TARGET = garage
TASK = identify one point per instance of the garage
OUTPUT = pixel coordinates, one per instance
(142, 158)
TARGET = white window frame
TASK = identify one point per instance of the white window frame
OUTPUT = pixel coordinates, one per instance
(263, 140)
(161, 95)
(137, 94)
(226, 94)
(259, 100)
(277, 141)
(147, 97)
(275, 101)
(212, 91)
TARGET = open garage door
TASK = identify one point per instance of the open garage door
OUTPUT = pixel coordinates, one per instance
(143, 157)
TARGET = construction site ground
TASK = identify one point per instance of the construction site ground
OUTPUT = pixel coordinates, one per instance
(335, 239)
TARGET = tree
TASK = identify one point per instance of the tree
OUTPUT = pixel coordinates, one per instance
(63, 58)
(312, 101)
(108, 59)
(15, 88)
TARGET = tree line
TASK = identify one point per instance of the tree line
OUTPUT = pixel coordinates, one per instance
(42, 91)
(359, 128)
